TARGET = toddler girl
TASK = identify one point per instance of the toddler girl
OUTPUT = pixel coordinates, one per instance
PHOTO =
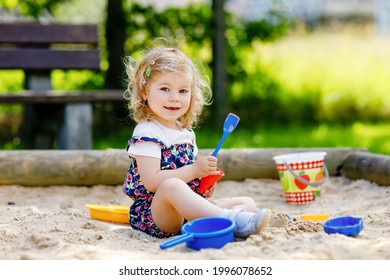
(166, 97)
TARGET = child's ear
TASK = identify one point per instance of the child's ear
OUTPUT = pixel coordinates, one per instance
(145, 95)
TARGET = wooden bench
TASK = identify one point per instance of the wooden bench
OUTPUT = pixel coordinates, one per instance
(53, 118)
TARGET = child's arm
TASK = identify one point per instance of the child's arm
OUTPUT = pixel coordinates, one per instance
(152, 176)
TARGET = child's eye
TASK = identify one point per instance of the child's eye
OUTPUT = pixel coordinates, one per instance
(164, 89)
(183, 91)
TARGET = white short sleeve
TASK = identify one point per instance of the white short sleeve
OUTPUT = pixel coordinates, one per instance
(147, 149)
(166, 136)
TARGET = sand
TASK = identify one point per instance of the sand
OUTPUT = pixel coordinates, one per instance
(52, 223)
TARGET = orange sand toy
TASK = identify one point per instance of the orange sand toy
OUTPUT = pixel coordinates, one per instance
(209, 181)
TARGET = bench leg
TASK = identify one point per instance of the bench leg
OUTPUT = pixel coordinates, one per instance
(41, 125)
(76, 131)
(61, 126)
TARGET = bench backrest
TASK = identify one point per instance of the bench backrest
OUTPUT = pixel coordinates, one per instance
(43, 47)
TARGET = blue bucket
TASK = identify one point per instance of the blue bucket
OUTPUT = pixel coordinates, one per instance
(209, 232)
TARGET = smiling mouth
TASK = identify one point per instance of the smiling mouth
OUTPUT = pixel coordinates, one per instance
(172, 108)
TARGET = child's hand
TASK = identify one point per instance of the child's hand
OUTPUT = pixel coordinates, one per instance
(209, 193)
(206, 165)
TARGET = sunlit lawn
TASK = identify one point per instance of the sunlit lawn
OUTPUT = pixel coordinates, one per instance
(376, 138)
(345, 72)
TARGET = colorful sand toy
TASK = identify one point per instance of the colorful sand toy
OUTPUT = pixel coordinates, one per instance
(347, 225)
(109, 213)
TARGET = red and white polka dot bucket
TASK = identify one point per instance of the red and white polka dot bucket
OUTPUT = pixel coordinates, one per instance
(301, 175)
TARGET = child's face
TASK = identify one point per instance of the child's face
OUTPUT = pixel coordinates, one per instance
(169, 97)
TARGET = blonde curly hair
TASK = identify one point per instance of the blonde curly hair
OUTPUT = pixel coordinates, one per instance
(158, 61)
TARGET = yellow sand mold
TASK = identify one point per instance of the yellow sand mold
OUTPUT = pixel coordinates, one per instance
(109, 212)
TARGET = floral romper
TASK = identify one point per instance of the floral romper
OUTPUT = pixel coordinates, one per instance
(173, 156)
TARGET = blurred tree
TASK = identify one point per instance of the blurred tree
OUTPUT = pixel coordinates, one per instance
(219, 61)
(205, 32)
(115, 28)
(31, 8)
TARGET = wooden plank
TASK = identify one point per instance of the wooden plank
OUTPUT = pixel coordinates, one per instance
(109, 167)
(36, 33)
(61, 97)
(47, 59)
(368, 166)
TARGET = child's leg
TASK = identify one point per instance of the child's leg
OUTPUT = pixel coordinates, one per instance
(174, 201)
(242, 202)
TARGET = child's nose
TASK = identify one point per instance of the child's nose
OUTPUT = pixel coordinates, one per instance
(174, 95)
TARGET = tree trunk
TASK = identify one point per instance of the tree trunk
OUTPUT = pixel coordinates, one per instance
(115, 40)
(219, 56)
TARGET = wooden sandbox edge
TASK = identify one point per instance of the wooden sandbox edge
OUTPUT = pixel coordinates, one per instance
(108, 167)
(371, 167)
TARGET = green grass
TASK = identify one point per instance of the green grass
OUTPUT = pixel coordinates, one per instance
(345, 71)
(374, 137)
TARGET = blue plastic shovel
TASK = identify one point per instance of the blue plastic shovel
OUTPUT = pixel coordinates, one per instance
(230, 124)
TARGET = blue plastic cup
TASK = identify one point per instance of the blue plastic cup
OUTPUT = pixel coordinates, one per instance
(210, 232)
(347, 225)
